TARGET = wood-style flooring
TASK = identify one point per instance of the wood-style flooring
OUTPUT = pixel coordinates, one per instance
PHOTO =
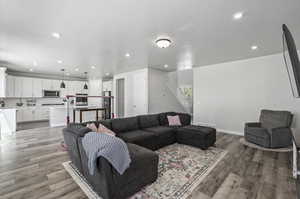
(31, 167)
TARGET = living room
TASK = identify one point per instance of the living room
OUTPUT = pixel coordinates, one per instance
(140, 99)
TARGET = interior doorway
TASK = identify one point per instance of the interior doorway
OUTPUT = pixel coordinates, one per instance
(120, 98)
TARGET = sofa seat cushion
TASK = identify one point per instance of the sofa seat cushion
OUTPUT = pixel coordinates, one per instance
(139, 137)
(142, 159)
(161, 130)
(164, 135)
(121, 125)
(147, 121)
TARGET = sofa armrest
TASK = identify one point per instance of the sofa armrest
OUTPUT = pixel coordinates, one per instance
(281, 137)
(102, 181)
(253, 124)
(71, 140)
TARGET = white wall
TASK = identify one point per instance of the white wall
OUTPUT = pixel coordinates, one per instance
(136, 92)
(107, 85)
(2, 81)
(229, 94)
(95, 89)
(161, 98)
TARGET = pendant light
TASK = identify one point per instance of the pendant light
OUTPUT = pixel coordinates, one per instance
(62, 84)
(85, 84)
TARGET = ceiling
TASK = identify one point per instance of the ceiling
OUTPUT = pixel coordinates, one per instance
(99, 33)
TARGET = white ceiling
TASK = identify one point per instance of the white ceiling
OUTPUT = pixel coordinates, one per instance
(100, 33)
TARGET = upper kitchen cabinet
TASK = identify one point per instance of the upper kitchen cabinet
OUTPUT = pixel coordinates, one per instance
(37, 87)
(65, 91)
(47, 84)
(18, 87)
(50, 84)
(27, 86)
(10, 86)
(2, 81)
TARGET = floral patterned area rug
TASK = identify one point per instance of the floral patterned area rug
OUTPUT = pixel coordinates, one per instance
(181, 169)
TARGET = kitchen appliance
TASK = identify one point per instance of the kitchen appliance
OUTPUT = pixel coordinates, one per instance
(81, 99)
(51, 93)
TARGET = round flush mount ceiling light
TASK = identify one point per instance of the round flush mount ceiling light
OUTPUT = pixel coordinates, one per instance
(163, 42)
(238, 15)
(127, 55)
(56, 35)
(166, 66)
(254, 47)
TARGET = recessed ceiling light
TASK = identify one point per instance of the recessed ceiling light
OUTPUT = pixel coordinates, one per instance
(163, 42)
(34, 63)
(254, 47)
(76, 69)
(93, 67)
(30, 69)
(166, 66)
(127, 55)
(56, 35)
(107, 74)
(59, 61)
(67, 74)
(238, 15)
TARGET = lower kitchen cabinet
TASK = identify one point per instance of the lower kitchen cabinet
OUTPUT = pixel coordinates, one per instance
(32, 114)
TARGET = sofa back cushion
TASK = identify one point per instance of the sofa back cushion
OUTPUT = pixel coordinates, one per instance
(124, 124)
(77, 129)
(274, 119)
(147, 121)
(163, 120)
(185, 118)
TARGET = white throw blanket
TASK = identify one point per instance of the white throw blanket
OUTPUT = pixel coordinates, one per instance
(110, 147)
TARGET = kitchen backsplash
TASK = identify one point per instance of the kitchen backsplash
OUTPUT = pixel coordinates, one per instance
(11, 102)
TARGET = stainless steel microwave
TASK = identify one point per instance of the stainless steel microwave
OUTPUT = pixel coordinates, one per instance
(51, 93)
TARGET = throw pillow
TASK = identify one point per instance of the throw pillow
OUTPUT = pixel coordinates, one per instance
(104, 129)
(92, 126)
(174, 120)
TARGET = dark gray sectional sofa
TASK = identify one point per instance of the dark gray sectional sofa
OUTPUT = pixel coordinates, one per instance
(143, 134)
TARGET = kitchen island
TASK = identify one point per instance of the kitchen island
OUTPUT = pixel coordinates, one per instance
(7, 121)
(58, 115)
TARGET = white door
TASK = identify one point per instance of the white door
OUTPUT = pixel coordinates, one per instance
(140, 94)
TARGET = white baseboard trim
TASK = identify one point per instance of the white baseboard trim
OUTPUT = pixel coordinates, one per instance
(218, 129)
(230, 132)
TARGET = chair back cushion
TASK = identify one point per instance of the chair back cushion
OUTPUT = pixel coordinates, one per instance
(147, 121)
(124, 124)
(274, 119)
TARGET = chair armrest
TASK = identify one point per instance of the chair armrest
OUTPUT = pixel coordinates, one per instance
(253, 124)
(281, 137)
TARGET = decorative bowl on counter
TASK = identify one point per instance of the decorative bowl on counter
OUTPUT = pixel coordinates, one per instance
(19, 104)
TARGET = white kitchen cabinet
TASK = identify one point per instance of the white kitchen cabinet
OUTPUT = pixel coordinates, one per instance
(18, 87)
(41, 114)
(37, 87)
(27, 87)
(10, 86)
(47, 84)
(28, 115)
(56, 85)
(65, 91)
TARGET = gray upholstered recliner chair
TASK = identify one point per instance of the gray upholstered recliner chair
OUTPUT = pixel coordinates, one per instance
(272, 130)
